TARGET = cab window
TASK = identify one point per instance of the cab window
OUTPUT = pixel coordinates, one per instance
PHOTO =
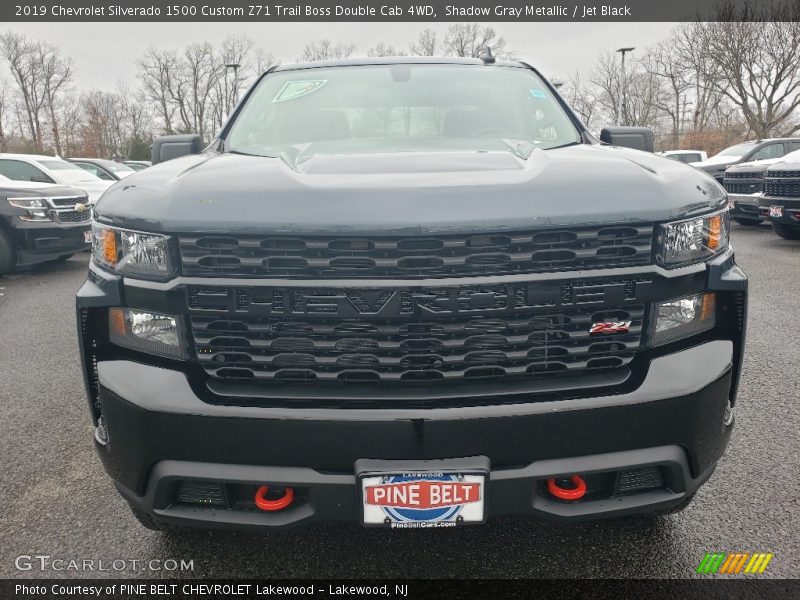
(22, 171)
(769, 151)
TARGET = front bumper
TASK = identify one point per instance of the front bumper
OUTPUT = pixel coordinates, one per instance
(745, 206)
(791, 210)
(45, 241)
(160, 433)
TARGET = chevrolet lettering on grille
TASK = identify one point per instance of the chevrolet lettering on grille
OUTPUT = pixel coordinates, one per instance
(387, 303)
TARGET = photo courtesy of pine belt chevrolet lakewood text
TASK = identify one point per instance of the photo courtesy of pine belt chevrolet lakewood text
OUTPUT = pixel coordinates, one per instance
(410, 293)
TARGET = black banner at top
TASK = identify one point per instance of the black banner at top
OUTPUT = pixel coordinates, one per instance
(396, 10)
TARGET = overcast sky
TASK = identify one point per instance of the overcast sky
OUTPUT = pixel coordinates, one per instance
(105, 53)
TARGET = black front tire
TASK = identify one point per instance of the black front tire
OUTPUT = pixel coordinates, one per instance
(748, 222)
(63, 258)
(786, 232)
(8, 256)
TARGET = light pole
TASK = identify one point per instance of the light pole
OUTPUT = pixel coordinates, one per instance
(620, 100)
(235, 67)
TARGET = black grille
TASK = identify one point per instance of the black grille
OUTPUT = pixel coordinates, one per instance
(61, 202)
(73, 216)
(783, 183)
(410, 336)
(416, 257)
(743, 183)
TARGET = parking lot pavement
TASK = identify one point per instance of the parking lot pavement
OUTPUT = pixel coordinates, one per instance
(57, 501)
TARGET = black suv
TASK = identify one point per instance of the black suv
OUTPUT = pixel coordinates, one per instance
(41, 223)
(411, 293)
(747, 152)
(780, 202)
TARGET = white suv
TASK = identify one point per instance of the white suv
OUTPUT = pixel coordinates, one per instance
(48, 169)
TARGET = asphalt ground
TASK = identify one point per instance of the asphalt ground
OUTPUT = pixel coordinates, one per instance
(56, 500)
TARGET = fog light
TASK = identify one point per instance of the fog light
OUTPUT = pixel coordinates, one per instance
(149, 332)
(683, 317)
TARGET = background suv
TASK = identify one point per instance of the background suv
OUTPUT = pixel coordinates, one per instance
(747, 152)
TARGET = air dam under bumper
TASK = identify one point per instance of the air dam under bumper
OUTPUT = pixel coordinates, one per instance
(674, 421)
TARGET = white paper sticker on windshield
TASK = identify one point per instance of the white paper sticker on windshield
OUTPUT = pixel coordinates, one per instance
(298, 88)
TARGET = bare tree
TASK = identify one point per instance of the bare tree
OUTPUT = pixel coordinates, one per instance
(471, 39)
(757, 62)
(56, 73)
(326, 50)
(700, 70)
(264, 61)
(20, 56)
(384, 50)
(582, 98)
(427, 43)
(158, 72)
(642, 91)
(3, 115)
(663, 63)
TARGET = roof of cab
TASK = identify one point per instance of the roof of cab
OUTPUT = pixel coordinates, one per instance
(398, 60)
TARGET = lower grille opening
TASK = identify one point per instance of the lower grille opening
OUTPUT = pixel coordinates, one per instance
(611, 484)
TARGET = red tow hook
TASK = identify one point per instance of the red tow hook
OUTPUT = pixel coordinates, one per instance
(569, 494)
(270, 505)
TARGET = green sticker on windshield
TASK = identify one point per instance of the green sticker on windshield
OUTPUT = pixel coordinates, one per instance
(298, 88)
(537, 93)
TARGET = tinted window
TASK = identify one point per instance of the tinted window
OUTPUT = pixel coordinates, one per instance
(95, 171)
(769, 151)
(794, 146)
(22, 171)
(400, 108)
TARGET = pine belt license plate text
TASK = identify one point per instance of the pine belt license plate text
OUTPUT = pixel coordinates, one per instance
(419, 500)
(775, 211)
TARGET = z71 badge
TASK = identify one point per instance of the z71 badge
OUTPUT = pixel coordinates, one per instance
(610, 327)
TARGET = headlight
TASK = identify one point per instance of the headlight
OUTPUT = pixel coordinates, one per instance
(132, 253)
(676, 319)
(693, 240)
(146, 331)
(36, 208)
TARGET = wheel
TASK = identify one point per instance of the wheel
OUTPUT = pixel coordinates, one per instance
(786, 232)
(8, 256)
(748, 222)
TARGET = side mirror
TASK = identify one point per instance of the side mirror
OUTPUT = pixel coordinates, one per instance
(638, 138)
(167, 147)
(41, 178)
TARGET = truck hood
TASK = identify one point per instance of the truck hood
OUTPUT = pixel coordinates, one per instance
(409, 193)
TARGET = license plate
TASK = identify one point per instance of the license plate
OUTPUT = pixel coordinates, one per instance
(87, 237)
(775, 211)
(423, 499)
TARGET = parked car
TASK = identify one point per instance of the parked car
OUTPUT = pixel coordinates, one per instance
(411, 293)
(685, 156)
(40, 222)
(48, 169)
(107, 170)
(137, 165)
(780, 202)
(747, 152)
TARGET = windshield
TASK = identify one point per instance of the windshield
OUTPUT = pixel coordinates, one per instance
(737, 151)
(400, 108)
(118, 168)
(68, 171)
